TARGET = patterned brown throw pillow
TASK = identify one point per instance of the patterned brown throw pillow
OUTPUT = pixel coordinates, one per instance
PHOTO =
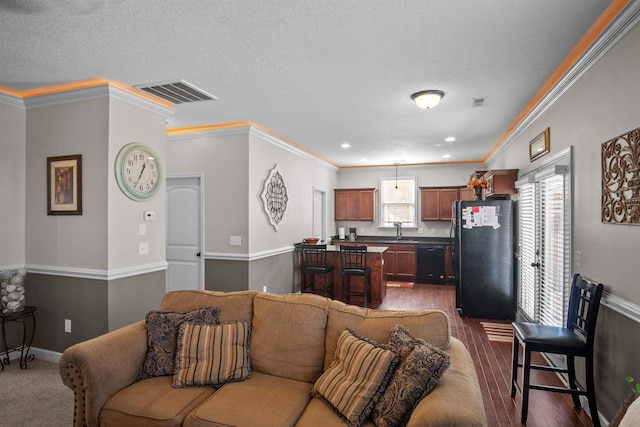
(162, 337)
(421, 367)
(356, 378)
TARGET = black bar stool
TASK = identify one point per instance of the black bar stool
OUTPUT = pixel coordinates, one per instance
(354, 263)
(576, 339)
(314, 261)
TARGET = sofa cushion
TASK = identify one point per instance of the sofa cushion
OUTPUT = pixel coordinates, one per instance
(162, 336)
(262, 400)
(420, 368)
(233, 305)
(429, 325)
(356, 378)
(287, 335)
(212, 354)
(152, 402)
(318, 414)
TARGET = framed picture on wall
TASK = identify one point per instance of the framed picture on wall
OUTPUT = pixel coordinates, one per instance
(64, 185)
(539, 146)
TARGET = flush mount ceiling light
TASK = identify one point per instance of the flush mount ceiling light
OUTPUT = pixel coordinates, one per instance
(427, 98)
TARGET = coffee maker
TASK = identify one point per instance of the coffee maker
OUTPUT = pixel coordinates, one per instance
(352, 234)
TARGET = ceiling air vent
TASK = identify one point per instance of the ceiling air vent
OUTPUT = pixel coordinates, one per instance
(478, 102)
(178, 92)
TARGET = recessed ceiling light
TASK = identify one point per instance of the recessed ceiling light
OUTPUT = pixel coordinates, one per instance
(438, 145)
(345, 145)
(446, 156)
(450, 138)
(363, 160)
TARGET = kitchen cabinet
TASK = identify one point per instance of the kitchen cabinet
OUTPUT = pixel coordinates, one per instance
(400, 261)
(436, 203)
(465, 193)
(500, 182)
(357, 204)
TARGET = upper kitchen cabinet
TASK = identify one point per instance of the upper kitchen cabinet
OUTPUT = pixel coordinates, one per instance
(436, 203)
(355, 204)
(500, 182)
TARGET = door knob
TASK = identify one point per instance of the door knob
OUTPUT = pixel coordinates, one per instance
(199, 254)
(535, 264)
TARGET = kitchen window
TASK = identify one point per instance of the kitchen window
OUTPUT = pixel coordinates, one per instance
(398, 202)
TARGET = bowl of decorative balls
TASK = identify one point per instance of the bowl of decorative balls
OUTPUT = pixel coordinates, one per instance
(311, 240)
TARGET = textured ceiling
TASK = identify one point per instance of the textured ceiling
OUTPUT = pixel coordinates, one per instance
(318, 73)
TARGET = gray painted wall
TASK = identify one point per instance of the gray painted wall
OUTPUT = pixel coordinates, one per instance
(12, 185)
(600, 106)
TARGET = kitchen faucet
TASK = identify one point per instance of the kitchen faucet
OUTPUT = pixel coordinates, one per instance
(398, 230)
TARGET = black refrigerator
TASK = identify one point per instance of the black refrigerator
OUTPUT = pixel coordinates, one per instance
(483, 258)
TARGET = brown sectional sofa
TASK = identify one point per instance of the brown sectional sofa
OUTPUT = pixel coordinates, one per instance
(293, 340)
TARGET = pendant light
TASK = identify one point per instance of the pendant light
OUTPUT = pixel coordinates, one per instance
(396, 190)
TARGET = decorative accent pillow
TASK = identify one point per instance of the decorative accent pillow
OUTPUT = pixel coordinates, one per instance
(421, 367)
(212, 354)
(162, 335)
(356, 378)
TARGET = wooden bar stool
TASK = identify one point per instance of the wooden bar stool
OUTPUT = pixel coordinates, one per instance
(354, 263)
(314, 262)
(575, 339)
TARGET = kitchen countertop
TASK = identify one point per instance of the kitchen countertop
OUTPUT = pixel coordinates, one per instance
(392, 240)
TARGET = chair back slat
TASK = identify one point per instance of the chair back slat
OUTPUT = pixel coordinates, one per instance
(314, 255)
(584, 304)
(353, 257)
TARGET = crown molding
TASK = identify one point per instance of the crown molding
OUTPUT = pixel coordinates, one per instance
(623, 22)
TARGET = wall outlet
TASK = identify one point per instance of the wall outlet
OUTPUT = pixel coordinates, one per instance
(67, 325)
(143, 248)
(264, 288)
(142, 229)
(578, 259)
(235, 240)
(420, 230)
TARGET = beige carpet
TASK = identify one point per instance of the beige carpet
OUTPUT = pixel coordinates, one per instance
(34, 397)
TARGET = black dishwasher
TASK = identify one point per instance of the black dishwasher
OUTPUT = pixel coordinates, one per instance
(430, 260)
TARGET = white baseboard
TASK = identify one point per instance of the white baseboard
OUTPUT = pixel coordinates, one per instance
(40, 353)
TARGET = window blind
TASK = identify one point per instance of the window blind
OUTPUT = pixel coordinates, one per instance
(398, 205)
(554, 251)
(528, 237)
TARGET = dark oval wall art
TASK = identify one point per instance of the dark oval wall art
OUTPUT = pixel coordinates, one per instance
(621, 179)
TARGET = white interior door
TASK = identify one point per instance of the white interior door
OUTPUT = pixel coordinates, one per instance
(319, 214)
(184, 234)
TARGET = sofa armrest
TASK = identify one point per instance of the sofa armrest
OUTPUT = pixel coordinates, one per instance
(97, 368)
(456, 400)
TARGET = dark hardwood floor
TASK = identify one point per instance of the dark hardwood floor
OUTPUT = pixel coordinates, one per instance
(493, 364)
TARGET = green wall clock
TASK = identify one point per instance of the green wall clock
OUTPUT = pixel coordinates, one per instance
(138, 171)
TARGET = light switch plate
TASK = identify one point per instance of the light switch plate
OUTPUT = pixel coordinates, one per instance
(235, 240)
(142, 229)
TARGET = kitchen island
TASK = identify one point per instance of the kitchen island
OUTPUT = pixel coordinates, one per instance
(375, 261)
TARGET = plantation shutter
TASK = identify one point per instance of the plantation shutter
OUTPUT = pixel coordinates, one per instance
(528, 237)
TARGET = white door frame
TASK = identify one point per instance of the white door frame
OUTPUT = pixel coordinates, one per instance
(323, 219)
(200, 178)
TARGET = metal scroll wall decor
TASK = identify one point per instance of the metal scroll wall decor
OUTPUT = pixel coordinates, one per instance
(274, 197)
(621, 179)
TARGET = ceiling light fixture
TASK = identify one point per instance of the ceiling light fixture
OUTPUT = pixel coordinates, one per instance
(427, 98)
(450, 139)
(345, 145)
(396, 190)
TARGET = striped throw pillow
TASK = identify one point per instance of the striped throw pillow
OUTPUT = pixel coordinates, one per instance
(212, 354)
(356, 378)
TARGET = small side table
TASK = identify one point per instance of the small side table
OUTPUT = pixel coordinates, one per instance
(18, 317)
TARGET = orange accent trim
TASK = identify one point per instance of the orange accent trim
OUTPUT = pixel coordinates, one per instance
(583, 44)
(82, 84)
